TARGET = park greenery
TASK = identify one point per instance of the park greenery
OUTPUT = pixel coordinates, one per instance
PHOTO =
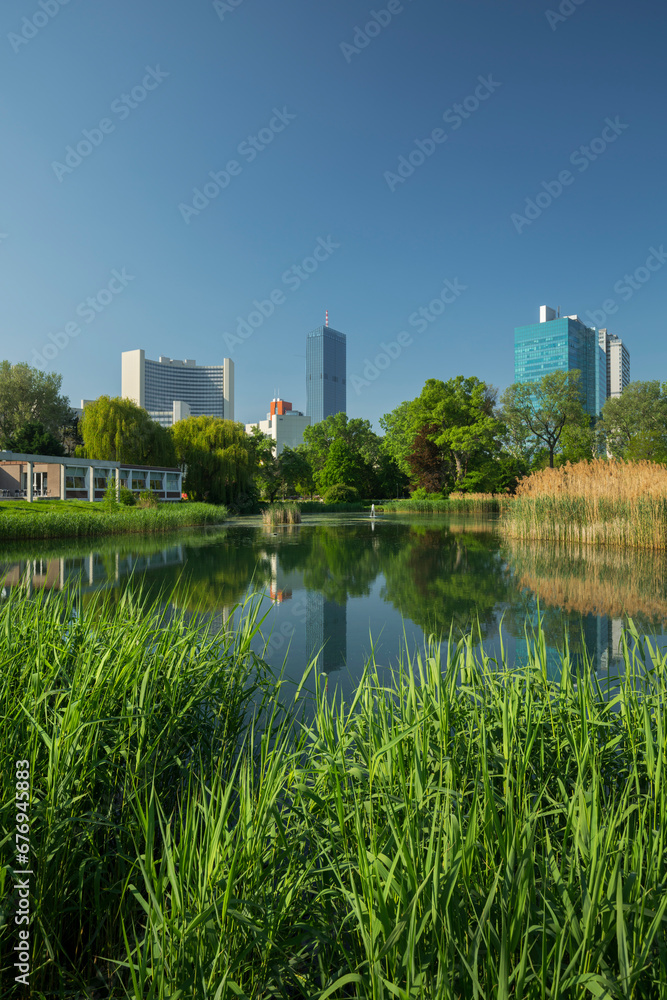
(455, 437)
(464, 828)
(33, 414)
(81, 519)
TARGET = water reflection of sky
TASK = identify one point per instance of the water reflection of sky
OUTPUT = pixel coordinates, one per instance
(340, 587)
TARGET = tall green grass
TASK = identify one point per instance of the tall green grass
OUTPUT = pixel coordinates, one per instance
(70, 519)
(467, 830)
(474, 503)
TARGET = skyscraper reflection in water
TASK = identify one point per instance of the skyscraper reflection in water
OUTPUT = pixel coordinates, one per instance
(326, 632)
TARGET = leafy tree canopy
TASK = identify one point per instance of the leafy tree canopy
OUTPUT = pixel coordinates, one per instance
(29, 396)
(446, 435)
(219, 459)
(544, 408)
(118, 430)
(34, 439)
(377, 473)
(634, 424)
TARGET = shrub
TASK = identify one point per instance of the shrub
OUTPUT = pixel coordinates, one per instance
(422, 494)
(340, 493)
(126, 497)
(148, 499)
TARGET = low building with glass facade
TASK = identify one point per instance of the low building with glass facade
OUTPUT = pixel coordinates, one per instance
(326, 373)
(31, 477)
(560, 345)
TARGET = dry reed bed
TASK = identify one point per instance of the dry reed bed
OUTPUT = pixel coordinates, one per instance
(595, 503)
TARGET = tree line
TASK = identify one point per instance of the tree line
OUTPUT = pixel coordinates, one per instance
(455, 436)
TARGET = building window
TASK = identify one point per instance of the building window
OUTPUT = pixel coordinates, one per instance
(75, 478)
(101, 478)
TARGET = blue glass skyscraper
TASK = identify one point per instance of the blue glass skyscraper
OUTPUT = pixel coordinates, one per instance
(561, 345)
(326, 373)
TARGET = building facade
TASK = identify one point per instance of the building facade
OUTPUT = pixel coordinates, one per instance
(35, 476)
(618, 363)
(562, 344)
(326, 373)
(283, 424)
(200, 390)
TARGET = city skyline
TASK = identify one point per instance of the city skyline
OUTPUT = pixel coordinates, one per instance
(446, 146)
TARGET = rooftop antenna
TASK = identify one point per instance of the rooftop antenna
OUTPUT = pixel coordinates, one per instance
(326, 320)
(558, 312)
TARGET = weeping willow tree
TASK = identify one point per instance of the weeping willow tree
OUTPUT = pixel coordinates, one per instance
(118, 430)
(218, 458)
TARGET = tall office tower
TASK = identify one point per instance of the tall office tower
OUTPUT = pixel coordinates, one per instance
(172, 390)
(618, 363)
(326, 373)
(561, 344)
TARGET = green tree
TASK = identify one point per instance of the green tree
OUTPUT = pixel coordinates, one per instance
(544, 408)
(296, 472)
(463, 411)
(267, 470)
(447, 434)
(356, 432)
(343, 467)
(634, 424)
(118, 430)
(399, 428)
(34, 439)
(219, 460)
(378, 473)
(29, 396)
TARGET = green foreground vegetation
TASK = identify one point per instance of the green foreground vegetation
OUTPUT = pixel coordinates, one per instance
(469, 830)
(79, 518)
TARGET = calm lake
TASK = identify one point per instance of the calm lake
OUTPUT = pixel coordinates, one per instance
(339, 585)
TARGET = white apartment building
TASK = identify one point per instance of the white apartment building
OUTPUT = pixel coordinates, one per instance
(618, 363)
(171, 390)
(283, 424)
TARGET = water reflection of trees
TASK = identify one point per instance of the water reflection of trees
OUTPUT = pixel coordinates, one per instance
(448, 576)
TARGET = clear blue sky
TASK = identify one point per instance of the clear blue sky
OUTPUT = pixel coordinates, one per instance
(551, 85)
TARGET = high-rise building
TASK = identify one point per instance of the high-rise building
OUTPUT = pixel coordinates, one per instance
(326, 373)
(283, 424)
(171, 390)
(618, 363)
(561, 344)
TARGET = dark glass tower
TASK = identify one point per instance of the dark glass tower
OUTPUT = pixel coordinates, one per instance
(326, 373)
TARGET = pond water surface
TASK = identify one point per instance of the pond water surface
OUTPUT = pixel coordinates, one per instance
(338, 586)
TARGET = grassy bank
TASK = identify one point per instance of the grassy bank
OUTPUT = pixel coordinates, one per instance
(78, 518)
(463, 503)
(468, 831)
(596, 503)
